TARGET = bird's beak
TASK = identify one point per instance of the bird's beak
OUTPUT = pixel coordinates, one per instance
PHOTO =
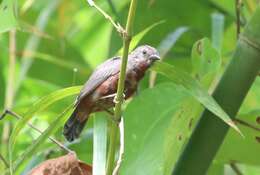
(154, 57)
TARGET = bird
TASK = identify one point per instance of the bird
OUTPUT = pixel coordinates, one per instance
(99, 91)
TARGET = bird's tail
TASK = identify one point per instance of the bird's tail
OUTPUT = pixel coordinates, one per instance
(74, 125)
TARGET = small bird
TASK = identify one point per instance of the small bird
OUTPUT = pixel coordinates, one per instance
(99, 91)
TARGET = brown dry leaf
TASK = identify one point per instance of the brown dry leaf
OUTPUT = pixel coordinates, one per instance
(64, 165)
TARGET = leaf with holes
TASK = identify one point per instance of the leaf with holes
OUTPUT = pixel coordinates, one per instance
(146, 134)
(205, 61)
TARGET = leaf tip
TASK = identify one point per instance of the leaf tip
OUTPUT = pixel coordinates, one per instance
(234, 126)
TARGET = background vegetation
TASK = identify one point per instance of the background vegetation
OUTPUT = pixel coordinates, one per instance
(58, 43)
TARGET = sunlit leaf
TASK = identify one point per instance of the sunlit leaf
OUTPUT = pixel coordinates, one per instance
(40, 106)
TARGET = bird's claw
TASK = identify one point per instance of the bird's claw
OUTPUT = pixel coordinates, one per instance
(117, 101)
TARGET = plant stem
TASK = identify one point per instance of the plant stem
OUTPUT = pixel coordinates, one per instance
(4, 161)
(238, 8)
(120, 89)
(9, 96)
(230, 92)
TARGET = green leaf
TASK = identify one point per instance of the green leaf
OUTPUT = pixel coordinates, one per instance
(194, 89)
(100, 144)
(169, 41)
(165, 46)
(7, 14)
(180, 127)
(41, 105)
(137, 38)
(148, 118)
(206, 61)
(216, 169)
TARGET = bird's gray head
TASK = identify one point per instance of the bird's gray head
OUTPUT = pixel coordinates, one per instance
(145, 54)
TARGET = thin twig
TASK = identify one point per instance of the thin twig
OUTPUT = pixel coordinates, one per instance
(118, 27)
(238, 12)
(235, 168)
(246, 124)
(36, 129)
(121, 148)
(5, 162)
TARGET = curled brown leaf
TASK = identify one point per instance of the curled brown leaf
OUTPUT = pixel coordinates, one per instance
(64, 165)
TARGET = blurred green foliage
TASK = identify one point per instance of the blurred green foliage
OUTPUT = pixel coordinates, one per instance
(60, 42)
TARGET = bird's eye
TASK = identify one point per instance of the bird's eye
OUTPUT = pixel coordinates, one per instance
(144, 52)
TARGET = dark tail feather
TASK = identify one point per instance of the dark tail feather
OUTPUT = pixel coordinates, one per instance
(73, 126)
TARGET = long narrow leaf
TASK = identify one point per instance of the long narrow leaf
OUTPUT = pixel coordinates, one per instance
(169, 41)
(100, 144)
(195, 89)
(33, 148)
(165, 46)
(137, 38)
(39, 106)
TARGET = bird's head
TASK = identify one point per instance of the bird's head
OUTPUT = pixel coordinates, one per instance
(145, 54)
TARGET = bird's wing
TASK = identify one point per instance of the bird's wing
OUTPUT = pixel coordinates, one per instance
(102, 73)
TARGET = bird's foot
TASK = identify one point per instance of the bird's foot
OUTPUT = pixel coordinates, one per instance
(115, 100)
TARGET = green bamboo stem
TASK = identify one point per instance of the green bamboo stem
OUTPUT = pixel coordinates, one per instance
(230, 92)
(120, 89)
(11, 70)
